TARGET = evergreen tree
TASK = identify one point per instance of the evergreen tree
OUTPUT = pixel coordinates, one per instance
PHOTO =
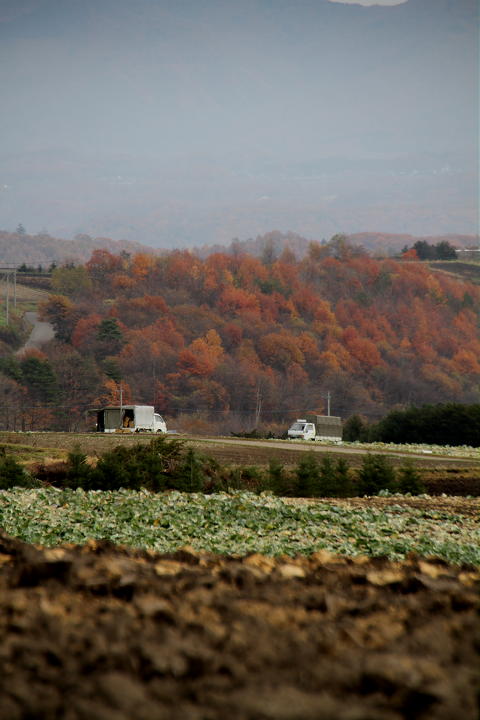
(327, 486)
(445, 251)
(308, 476)
(343, 478)
(443, 424)
(12, 473)
(276, 478)
(190, 476)
(376, 474)
(109, 338)
(40, 379)
(410, 480)
(334, 478)
(79, 472)
(355, 429)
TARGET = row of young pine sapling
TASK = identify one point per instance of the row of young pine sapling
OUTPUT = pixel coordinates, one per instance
(169, 464)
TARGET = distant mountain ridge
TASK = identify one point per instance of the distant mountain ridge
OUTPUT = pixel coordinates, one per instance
(42, 249)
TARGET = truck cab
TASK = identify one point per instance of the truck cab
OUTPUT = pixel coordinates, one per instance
(302, 430)
(159, 424)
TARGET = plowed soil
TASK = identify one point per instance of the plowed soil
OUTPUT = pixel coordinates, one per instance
(105, 633)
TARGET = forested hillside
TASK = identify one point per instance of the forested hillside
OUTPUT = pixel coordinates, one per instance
(243, 341)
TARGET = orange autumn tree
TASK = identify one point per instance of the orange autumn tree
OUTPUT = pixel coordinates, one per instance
(202, 356)
(86, 331)
(235, 301)
(110, 393)
(61, 312)
(102, 268)
(281, 350)
(140, 311)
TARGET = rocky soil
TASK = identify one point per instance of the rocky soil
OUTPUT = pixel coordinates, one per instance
(104, 633)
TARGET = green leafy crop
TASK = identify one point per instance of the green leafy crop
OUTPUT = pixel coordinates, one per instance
(237, 523)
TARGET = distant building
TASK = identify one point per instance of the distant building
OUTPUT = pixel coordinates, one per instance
(470, 253)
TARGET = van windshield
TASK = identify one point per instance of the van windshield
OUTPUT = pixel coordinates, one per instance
(297, 426)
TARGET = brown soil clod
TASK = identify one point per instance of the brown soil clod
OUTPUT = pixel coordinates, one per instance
(110, 633)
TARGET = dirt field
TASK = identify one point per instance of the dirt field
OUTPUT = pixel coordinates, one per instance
(27, 297)
(231, 450)
(102, 633)
(469, 507)
(246, 451)
(460, 270)
(29, 294)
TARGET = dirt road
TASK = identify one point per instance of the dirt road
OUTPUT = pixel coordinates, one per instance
(41, 333)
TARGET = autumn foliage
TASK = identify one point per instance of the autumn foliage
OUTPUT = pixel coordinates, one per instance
(251, 338)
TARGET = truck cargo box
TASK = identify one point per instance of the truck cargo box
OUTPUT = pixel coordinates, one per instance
(129, 418)
(328, 427)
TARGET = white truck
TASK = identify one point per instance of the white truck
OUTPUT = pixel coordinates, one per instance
(129, 418)
(316, 427)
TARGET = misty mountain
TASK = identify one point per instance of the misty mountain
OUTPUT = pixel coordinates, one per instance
(43, 250)
(186, 123)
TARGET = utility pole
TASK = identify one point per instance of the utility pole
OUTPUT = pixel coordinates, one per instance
(258, 407)
(9, 272)
(7, 297)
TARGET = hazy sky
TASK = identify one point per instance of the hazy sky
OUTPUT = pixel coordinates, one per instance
(173, 122)
(370, 2)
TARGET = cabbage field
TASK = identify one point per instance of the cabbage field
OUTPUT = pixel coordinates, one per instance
(240, 523)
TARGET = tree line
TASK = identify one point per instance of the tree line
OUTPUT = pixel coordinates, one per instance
(423, 250)
(442, 424)
(164, 464)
